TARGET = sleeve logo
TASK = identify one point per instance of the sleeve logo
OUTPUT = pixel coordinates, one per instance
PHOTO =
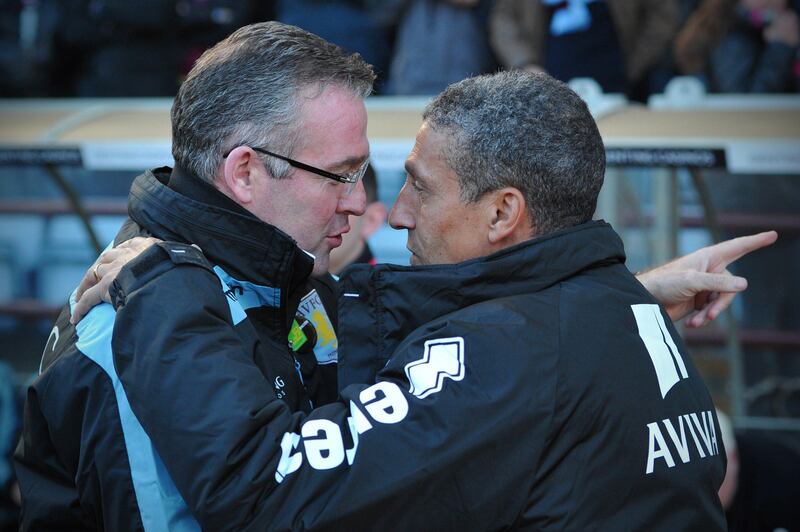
(663, 352)
(443, 359)
(321, 442)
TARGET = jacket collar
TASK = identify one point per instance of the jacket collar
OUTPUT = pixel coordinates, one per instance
(381, 305)
(187, 184)
(244, 246)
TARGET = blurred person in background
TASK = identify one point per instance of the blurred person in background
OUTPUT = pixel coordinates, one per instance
(355, 248)
(106, 48)
(614, 42)
(438, 43)
(358, 26)
(760, 492)
(741, 46)
(18, 75)
(9, 433)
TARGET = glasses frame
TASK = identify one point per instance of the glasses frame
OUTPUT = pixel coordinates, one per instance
(350, 179)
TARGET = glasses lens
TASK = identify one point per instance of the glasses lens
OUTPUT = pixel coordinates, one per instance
(355, 177)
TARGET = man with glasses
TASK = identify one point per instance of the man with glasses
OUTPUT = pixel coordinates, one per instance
(350, 179)
(269, 142)
(460, 430)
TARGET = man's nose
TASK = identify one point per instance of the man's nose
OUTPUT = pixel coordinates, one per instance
(401, 216)
(355, 202)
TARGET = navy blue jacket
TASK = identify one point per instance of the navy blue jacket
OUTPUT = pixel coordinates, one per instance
(84, 461)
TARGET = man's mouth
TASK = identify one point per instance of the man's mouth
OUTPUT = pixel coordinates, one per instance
(410, 244)
(413, 259)
(343, 230)
(335, 239)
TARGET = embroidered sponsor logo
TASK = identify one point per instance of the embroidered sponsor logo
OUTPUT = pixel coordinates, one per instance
(666, 358)
(443, 359)
(280, 393)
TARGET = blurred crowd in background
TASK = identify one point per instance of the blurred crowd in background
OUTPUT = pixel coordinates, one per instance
(144, 48)
(99, 48)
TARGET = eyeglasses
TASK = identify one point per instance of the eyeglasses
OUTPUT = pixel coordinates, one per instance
(350, 179)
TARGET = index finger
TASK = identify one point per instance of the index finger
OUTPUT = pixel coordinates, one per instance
(91, 297)
(731, 250)
(88, 280)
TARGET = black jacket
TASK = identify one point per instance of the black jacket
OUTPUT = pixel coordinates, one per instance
(84, 461)
(537, 388)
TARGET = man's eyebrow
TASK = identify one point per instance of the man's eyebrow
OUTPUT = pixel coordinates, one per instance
(349, 161)
(412, 170)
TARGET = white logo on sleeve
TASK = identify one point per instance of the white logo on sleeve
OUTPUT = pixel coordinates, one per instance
(670, 369)
(663, 352)
(320, 441)
(443, 359)
(700, 427)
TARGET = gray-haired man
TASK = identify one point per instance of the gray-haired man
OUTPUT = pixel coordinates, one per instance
(269, 140)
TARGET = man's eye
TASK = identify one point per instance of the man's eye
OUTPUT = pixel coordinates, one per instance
(415, 186)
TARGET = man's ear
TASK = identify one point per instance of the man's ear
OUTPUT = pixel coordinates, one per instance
(508, 217)
(239, 172)
(373, 218)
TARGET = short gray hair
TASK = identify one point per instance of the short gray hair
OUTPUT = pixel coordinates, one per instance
(527, 131)
(247, 90)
